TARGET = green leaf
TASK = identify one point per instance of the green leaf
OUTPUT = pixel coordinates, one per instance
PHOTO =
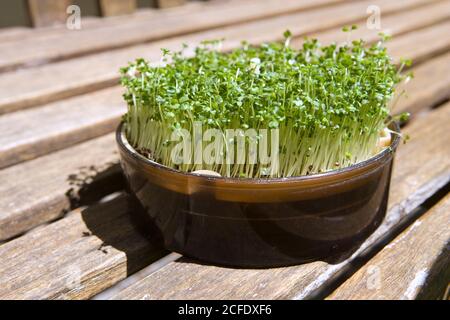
(287, 34)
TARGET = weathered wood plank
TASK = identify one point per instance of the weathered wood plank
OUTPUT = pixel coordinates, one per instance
(47, 12)
(416, 175)
(77, 119)
(430, 86)
(117, 7)
(397, 272)
(77, 256)
(44, 189)
(98, 71)
(58, 125)
(408, 44)
(13, 33)
(395, 25)
(179, 21)
(405, 45)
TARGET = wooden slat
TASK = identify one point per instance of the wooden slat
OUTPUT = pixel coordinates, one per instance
(179, 21)
(430, 86)
(48, 12)
(13, 33)
(397, 272)
(59, 125)
(75, 76)
(416, 175)
(407, 44)
(117, 7)
(77, 119)
(76, 257)
(395, 25)
(44, 189)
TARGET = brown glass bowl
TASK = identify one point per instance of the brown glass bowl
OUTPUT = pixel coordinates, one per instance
(261, 222)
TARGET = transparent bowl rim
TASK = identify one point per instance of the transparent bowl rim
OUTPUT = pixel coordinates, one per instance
(126, 147)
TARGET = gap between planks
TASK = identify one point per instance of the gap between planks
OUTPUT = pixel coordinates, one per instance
(141, 274)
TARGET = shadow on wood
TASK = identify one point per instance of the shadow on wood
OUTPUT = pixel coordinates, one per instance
(90, 184)
(115, 226)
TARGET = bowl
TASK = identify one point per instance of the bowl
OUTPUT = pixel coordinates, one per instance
(260, 223)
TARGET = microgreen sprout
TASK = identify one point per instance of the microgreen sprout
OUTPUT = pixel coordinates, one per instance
(329, 103)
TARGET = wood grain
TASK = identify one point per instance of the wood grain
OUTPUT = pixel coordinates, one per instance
(416, 176)
(405, 45)
(76, 257)
(58, 125)
(117, 7)
(394, 25)
(90, 73)
(430, 86)
(434, 38)
(48, 12)
(166, 23)
(397, 272)
(44, 189)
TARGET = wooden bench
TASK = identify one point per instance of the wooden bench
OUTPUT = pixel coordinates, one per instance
(65, 229)
(55, 13)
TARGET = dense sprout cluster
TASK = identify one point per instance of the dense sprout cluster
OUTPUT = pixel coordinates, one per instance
(328, 102)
